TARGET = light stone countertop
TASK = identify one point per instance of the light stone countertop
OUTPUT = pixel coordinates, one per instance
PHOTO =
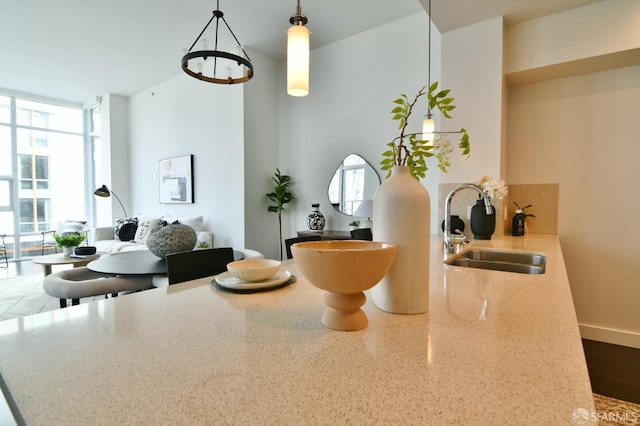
(193, 354)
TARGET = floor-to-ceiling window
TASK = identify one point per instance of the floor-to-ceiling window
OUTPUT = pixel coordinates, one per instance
(42, 170)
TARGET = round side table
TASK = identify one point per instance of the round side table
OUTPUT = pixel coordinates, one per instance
(50, 260)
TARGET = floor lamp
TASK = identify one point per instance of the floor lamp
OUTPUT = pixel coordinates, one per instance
(103, 191)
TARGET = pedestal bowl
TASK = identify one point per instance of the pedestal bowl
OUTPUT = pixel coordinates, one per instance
(344, 269)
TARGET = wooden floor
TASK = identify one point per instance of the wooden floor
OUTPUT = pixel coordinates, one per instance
(614, 370)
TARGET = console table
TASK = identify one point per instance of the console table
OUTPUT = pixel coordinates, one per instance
(327, 234)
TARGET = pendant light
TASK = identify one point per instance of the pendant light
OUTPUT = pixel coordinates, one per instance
(429, 124)
(298, 55)
(235, 65)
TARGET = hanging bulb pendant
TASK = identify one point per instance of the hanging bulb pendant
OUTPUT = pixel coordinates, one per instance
(298, 55)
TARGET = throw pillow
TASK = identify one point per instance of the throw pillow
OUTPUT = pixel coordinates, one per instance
(195, 222)
(145, 226)
(127, 231)
(73, 227)
(120, 223)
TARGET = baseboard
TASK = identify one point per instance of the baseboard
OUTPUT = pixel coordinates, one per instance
(608, 335)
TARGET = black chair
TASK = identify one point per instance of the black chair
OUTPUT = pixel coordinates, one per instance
(362, 234)
(290, 241)
(191, 265)
(3, 250)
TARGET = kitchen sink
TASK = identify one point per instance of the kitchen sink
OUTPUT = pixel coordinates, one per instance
(522, 262)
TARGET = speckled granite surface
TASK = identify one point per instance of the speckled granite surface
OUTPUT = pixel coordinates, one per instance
(493, 348)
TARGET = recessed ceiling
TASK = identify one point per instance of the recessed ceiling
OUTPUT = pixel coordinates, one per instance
(76, 50)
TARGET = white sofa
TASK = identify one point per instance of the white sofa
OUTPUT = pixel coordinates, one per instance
(106, 241)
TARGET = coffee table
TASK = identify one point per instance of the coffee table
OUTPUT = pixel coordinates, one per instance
(50, 260)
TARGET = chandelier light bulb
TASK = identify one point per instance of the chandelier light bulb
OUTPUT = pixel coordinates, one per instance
(298, 60)
(428, 129)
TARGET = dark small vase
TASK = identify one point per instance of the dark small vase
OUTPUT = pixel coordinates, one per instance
(483, 225)
(456, 223)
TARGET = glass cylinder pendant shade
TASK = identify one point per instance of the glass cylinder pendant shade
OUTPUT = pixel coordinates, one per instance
(298, 60)
(428, 127)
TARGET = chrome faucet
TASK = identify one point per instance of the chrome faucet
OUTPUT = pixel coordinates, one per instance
(453, 241)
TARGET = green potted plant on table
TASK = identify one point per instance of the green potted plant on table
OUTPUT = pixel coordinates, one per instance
(68, 242)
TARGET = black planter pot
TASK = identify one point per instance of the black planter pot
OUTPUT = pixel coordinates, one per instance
(483, 225)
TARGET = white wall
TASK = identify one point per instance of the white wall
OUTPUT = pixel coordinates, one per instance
(582, 132)
(352, 88)
(561, 131)
(184, 116)
(598, 29)
(114, 146)
(261, 155)
(472, 69)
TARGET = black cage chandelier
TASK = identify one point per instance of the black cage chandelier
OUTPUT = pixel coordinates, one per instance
(196, 65)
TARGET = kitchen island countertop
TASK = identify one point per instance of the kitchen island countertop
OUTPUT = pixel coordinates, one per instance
(494, 348)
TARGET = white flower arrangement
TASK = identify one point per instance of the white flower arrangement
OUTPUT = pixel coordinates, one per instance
(493, 188)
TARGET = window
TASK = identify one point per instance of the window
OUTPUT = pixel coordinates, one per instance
(34, 168)
(34, 215)
(46, 144)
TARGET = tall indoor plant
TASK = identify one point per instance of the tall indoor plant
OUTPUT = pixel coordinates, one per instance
(402, 207)
(280, 196)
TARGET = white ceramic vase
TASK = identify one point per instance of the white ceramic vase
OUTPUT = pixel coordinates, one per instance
(67, 251)
(402, 215)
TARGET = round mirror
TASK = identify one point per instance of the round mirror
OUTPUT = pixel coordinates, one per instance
(353, 182)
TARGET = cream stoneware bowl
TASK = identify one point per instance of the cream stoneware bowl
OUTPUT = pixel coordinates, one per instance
(344, 269)
(253, 269)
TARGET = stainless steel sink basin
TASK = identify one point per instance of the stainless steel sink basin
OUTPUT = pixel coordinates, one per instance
(522, 262)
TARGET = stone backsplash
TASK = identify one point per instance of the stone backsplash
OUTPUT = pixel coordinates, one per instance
(543, 197)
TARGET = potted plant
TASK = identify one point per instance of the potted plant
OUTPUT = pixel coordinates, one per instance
(519, 223)
(402, 206)
(68, 242)
(280, 196)
(354, 225)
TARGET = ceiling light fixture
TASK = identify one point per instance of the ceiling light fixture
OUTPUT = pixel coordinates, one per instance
(429, 123)
(298, 55)
(192, 62)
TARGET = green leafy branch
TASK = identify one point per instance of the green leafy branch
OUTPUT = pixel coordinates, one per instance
(525, 207)
(69, 240)
(414, 153)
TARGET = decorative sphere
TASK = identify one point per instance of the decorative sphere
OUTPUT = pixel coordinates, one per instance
(170, 239)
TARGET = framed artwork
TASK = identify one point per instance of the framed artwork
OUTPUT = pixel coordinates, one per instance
(176, 180)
